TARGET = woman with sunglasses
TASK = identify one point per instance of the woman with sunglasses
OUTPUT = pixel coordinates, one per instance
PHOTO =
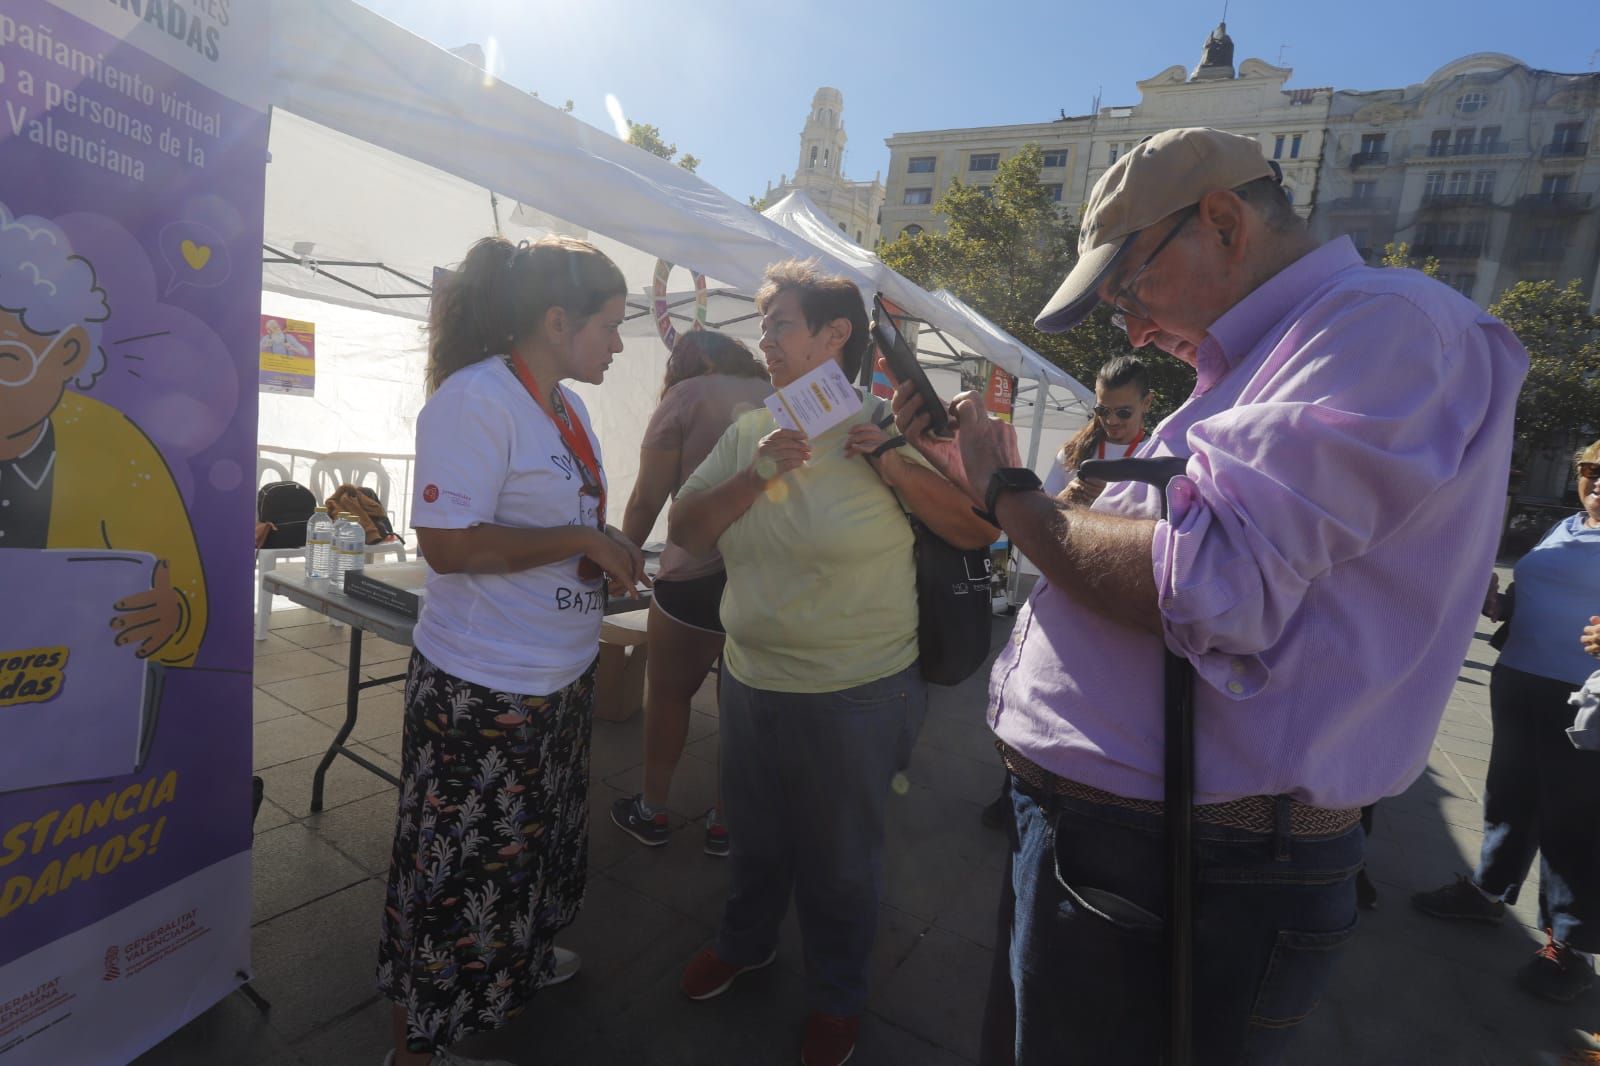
(1122, 398)
(1542, 793)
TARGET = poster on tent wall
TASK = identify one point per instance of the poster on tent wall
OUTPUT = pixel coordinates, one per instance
(133, 149)
(288, 356)
(999, 393)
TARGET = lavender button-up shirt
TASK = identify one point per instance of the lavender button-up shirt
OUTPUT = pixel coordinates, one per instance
(1325, 557)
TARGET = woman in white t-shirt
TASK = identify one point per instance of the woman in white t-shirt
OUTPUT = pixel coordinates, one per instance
(491, 837)
(1121, 400)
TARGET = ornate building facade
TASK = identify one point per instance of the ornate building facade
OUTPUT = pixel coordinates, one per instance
(852, 205)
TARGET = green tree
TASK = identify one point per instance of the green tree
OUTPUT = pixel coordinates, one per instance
(1560, 398)
(760, 203)
(1005, 248)
(646, 136)
(688, 162)
(1399, 256)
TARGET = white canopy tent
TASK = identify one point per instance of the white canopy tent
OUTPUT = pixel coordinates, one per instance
(390, 155)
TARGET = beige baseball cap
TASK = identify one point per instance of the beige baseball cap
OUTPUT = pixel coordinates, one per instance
(1162, 174)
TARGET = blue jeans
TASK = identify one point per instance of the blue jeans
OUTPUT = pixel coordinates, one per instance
(805, 786)
(1542, 795)
(1085, 977)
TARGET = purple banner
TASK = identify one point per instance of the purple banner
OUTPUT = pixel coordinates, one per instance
(130, 272)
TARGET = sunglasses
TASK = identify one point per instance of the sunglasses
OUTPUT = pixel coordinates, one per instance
(1122, 413)
(1589, 470)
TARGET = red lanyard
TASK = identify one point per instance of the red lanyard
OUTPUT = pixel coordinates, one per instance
(572, 435)
(1131, 445)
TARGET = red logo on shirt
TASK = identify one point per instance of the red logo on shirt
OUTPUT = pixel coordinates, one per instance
(430, 493)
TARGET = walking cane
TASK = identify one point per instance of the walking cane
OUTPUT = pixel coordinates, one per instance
(1179, 799)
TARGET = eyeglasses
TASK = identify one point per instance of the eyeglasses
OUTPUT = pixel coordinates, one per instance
(1123, 300)
(1589, 470)
(1122, 413)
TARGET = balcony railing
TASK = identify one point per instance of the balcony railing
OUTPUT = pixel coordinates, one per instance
(1454, 199)
(1541, 253)
(1555, 201)
(1447, 251)
(1457, 151)
(1361, 203)
(1369, 159)
(1563, 149)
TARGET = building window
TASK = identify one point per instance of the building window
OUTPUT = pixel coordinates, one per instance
(1460, 181)
(1362, 239)
(1054, 192)
(1277, 147)
(920, 164)
(1483, 184)
(912, 230)
(1463, 283)
(1439, 143)
(813, 163)
(1288, 193)
(858, 236)
(985, 191)
(1464, 140)
(1364, 190)
(1546, 243)
(842, 229)
(825, 152)
(1055, 159)
(984, 161)
(918, 196)
(1553, 185)
(1294, 146)
(1489, 141)
(1565, 136)
(1467, 103)
(1114, 150)
(1372, 143)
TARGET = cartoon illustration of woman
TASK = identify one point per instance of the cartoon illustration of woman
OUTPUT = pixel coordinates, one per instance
(75, 472)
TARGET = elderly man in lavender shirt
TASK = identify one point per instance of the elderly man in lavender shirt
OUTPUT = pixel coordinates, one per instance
(1348, 440)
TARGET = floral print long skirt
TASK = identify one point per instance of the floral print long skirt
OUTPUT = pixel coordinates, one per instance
(491, 848)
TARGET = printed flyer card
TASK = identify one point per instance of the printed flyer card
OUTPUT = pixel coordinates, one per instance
(288, 356)
(816, 401)
(134, 152)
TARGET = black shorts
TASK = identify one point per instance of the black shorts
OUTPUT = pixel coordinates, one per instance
(695, 602)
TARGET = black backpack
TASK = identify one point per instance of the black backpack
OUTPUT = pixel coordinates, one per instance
(287, 506)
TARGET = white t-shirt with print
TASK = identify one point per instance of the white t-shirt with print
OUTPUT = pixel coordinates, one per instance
(487, 453)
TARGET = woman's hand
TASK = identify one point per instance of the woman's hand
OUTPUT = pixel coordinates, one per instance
(779, 452)
(1491, 600)
(621, 560)
(867, 438)
(1591, 636)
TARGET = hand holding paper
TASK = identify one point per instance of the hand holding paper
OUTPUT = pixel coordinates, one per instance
(815, 402)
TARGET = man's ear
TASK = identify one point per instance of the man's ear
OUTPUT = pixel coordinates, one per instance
(71, 352)
(1223, 221)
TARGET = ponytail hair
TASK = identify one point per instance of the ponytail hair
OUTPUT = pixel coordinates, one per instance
(708, 351)
(1123, 370)
(501, 292)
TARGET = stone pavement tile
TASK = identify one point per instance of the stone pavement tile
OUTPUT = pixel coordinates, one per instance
(290, 664)
(311, 692)
(362, 831)
(294, 618)
(274, 644)
(271, 816)
(943, 864)
(707, 749)
(679, 876)
(960, 730)
(898, 935)
(318, 963)
(704, 701)
(883, 1043)
(1476, 771)
(938, 992)
(265, 708)
(1456, 727)
(1475, 749)
(615, 747)
(360, 1038)
(975, 779)
(232, 1023)
(388, 745)
(289, 785)
(381, 711)
(317, 633)
(378, 656)
(609, 845)
(694, 789)
(292, 866)
(288, 738)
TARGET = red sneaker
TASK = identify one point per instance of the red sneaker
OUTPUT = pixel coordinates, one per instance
(830, 1039)
(708, 976)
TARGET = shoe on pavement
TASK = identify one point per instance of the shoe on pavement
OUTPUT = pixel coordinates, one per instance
(568, 963)
(830, 1039)
(716, 835)
(1556, 972)
(708, 976)
(1366, 891)
(1460, 901)
(629, 815)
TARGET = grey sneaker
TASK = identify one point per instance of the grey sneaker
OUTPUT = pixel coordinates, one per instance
(1461, 901)
(568, 963)
(716, 835)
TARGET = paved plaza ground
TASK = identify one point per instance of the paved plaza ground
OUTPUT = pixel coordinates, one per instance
(1409, 989)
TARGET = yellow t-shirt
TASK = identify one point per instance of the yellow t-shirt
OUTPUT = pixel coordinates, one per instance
(821, 591)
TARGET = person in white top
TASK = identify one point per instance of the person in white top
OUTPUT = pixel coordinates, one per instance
(491, 836)
(1122, 398)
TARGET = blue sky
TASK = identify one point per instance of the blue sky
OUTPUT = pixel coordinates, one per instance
(732, 81)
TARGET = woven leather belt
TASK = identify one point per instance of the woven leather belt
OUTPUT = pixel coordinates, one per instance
(1253, 814)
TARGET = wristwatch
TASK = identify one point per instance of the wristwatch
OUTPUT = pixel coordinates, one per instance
(1008, 479)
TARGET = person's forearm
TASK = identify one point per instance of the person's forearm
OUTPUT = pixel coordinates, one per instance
(941, 506)
(697, 521)
(640, 515)
(490, 549)
(1102, 561)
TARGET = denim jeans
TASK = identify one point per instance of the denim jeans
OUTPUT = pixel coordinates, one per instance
(1542, 794)
(1085, 977)
(805, 787)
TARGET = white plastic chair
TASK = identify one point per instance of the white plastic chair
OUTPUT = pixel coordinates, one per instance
(347, 468)
(264, 467)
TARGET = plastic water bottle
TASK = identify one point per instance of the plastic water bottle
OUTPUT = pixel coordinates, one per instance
(319, 545)
(349, 548)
